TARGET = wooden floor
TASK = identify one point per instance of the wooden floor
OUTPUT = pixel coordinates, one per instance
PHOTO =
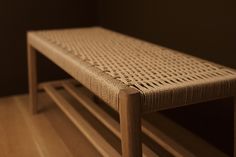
(48, 134)
(51, 134)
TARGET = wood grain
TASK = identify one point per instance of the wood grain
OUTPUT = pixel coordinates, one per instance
(57, 83)
(15, 136)
(110, 123)
(92, 135)
(130, 123)
(32, 76)
(177, 140)
(163, 140)
(51, 133)
(165, 133)
(50, 144)
(101, 115)
(47, 134)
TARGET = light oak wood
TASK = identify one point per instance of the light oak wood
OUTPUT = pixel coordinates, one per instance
(57, 83)
(101, 115)
(51, 133)
(48, 134)
(155, 95)
(15, 136)
(130, 122)
(110, 123)
(32, 75)
(92, 135)
(42, 129)
(158, 133)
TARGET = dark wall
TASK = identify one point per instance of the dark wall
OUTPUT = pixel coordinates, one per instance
(19, 16)
(204, 28)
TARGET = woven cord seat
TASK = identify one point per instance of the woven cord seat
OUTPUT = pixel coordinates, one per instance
(132, 76)
(107, 62)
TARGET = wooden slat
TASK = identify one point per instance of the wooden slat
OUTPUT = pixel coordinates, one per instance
(163, 140)
(90, 133)
(155, 133)
(57, 83)
(115, 127)
(96, 111)
(130, 122)
(234, 125)
(101, 115)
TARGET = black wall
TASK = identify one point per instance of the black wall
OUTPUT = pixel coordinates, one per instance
(19, 16)
(205, 28)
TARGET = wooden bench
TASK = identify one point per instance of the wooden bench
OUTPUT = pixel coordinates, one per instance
(132, 76)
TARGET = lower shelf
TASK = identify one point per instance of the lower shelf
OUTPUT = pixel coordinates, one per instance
(105, 134)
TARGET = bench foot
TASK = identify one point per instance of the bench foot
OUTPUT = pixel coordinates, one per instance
(32, 76)
(234, 126)
(130, 123)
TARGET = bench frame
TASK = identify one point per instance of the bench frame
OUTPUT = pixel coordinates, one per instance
(130, 110)
(235, 126)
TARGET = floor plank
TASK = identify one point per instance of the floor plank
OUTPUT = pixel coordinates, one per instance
(16, 139)
(47, 134)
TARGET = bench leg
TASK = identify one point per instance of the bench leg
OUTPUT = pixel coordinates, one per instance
(32, 76)
(234, 126)
(130, 123)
